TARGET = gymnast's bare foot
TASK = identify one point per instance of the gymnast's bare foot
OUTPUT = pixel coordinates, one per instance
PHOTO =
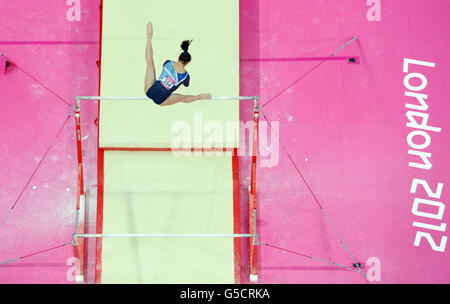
(149, 29)
(205, 96)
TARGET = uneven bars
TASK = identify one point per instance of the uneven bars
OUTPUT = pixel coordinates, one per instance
(146, 98)
(139, 235)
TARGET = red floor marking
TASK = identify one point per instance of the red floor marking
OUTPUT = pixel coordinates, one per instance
(47, 42)
(236, 219)
(295, 59)
(100, 173)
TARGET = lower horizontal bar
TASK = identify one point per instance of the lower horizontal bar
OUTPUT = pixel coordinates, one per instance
(161, 235)
(146, 98)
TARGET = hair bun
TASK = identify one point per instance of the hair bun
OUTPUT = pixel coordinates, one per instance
(185, 45)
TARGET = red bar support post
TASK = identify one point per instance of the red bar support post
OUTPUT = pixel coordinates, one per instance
(252, 199)
(79, 243)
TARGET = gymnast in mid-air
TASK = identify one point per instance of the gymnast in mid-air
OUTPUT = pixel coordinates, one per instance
(172, 76)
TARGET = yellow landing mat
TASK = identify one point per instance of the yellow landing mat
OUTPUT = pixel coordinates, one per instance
(214, 27)
(156, 192)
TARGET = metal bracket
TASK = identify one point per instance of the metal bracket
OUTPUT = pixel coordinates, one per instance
(255, 235)
(74, 239)
(255, 239)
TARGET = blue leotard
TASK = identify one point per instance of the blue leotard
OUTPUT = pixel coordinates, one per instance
(167, 83)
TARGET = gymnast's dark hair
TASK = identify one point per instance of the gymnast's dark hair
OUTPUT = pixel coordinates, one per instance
(185, 56)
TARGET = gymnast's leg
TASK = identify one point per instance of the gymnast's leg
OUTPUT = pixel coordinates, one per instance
(176, 98)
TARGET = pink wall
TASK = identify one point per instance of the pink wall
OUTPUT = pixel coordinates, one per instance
(349, 122)
(62, 55)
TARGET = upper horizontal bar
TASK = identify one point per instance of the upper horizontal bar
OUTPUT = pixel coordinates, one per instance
(146, 98)
(162, 235)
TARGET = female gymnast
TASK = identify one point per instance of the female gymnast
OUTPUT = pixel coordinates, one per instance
(172, 77)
